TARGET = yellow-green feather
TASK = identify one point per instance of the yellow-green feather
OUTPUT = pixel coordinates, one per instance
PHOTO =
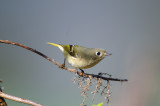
(80, 57)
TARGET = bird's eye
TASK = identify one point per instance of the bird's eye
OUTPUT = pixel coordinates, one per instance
(98, 53)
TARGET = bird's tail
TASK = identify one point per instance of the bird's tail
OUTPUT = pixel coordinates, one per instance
(57, 45)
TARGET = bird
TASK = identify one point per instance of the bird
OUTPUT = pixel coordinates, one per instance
(81, 57)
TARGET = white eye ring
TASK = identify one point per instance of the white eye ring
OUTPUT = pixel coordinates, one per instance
(98, 53)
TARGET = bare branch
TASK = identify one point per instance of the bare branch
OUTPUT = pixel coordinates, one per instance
(59, 65)
(19, 99)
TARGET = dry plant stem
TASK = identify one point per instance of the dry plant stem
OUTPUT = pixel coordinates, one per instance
(60, 65)
(108, 92)
(19, 99)
(99, 84)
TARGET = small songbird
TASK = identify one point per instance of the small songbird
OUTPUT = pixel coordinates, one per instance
(81, 57)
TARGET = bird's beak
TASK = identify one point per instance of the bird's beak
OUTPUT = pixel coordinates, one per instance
(108, 54)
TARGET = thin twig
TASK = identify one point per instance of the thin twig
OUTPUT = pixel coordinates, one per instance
(19, 99)
(107, 78)
(59, 65)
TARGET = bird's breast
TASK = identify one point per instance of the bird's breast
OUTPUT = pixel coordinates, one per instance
(80, 62)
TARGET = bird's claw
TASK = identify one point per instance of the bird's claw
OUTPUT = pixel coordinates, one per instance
(62, 66)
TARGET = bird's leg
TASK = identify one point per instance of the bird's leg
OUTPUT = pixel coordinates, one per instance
(63, 65)
(82, 72)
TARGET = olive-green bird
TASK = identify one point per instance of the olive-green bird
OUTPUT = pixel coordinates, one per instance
(81, 57)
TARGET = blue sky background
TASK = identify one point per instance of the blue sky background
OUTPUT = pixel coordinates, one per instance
(129, 29)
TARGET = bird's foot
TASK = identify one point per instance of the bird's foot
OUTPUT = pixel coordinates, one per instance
(62, 66)
(82, 73)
